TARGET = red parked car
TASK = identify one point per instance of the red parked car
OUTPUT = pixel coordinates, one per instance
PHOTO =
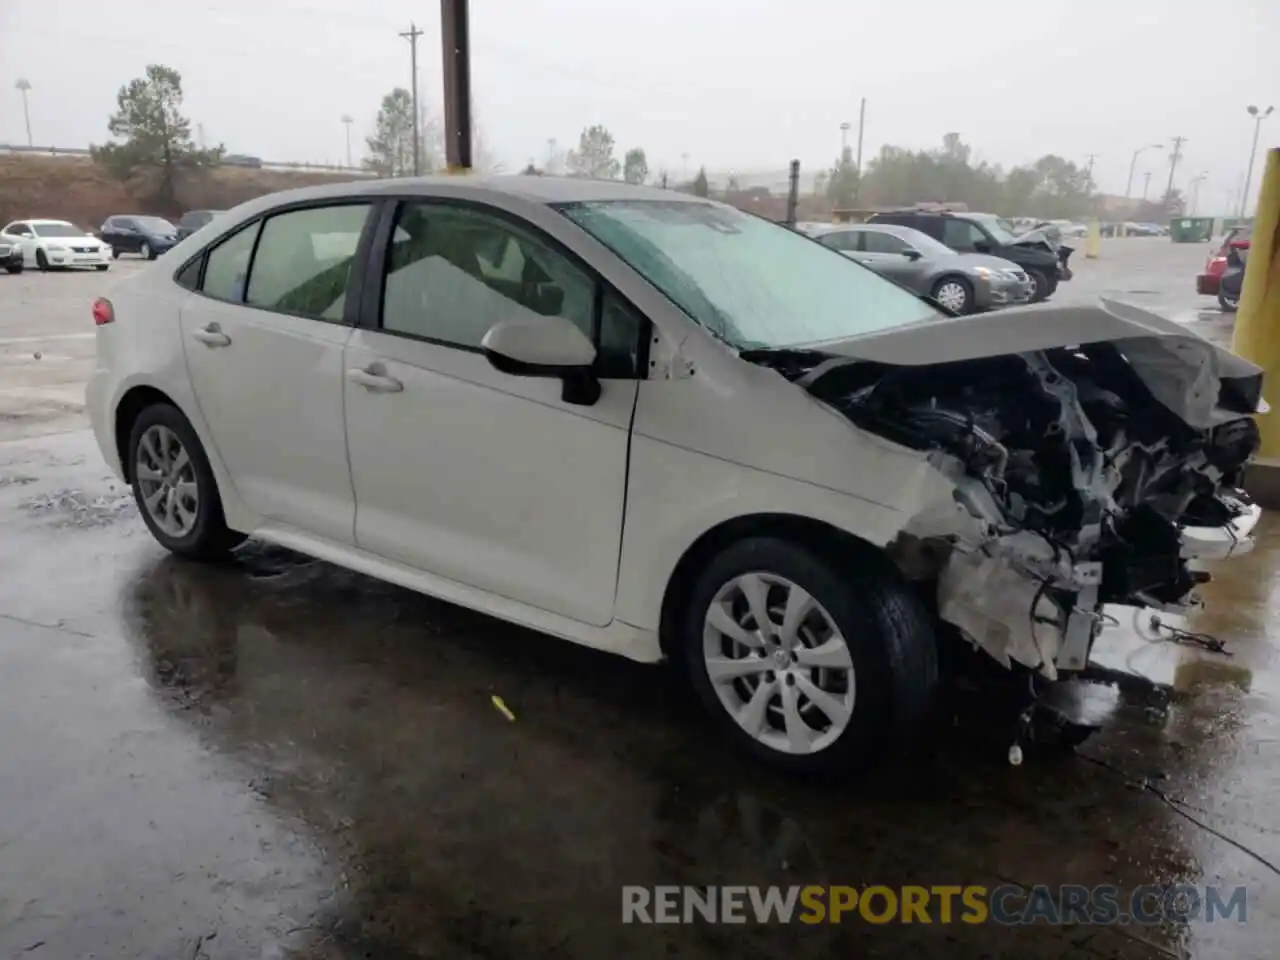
(1216, 265)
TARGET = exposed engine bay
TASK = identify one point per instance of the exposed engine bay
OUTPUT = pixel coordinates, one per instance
(1083, 476)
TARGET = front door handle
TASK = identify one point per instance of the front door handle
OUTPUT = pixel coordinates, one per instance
(211, 335)
(374, 379)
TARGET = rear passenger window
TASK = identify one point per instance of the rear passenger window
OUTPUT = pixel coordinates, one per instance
(304, 259)
(845, 240)
(189, 276)
(228, 266)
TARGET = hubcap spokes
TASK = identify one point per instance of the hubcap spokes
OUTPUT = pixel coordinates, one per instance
(779, 663)
(952, 296)
(167, 481)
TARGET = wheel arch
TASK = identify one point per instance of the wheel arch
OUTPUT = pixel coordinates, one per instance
(133, 402)
(823, 538)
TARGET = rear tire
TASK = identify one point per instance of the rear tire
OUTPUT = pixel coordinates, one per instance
(14, 269)
(1228, 303)
(174, 486)
(954, 293)
(860, 672)
(101, 266)
(146, 251)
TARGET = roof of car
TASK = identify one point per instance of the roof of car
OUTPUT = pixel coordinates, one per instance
(538, 189)
(36, 223)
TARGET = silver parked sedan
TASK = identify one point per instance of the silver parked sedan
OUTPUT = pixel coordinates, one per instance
(961, 282)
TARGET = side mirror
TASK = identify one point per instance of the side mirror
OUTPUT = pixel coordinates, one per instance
(545, 347)
(912, 254)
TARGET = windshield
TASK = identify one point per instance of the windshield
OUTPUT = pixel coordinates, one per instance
(58, 230)
(1001, 230)
(753, 283)
(155, 224)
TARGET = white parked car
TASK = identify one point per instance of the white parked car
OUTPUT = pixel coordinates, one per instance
(658, 426)
(50, 244)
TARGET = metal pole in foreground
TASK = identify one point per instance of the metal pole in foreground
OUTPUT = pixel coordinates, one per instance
(793, 192)
(455, 34)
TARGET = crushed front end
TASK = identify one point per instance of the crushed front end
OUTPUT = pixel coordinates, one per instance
(1081, 476)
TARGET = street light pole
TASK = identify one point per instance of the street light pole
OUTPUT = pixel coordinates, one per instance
(346, 122)
(23, 86)
(1128, 184)
(1258, 117)
(844, 137)
(1146, 185)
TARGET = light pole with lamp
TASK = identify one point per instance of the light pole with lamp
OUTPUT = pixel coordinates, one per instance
(1128, 186)
(23, 86)
(1258, 117)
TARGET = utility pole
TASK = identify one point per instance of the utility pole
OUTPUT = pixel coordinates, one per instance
(1173, 165)
(1258, 117)
(551, 163)
(346, 122)
(862, 120)
(1146, 185)
(23, 86)
(793, 192)
(200, 135)
(412, 35)
(845, 127)
(455, 36)
(1088, 170)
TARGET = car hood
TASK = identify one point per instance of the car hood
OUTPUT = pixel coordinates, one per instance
(1185, 372)
(967, 261)
(82, 238)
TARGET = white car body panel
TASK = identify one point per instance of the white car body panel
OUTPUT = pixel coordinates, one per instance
(481, 477)
(273, 401)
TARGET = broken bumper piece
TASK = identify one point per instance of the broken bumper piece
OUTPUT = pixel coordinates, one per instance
(1228, 540)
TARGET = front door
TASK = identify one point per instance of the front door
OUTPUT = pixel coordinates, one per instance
(480, 477)
(264, 339)
(887, 255)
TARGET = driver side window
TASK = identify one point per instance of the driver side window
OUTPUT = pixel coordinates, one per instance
(453, 272)
(962, 235)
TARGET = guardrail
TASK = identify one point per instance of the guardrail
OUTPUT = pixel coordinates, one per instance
(243, 165)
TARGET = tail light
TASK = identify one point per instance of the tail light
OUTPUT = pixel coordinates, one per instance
(103, 312)
(1239, 244)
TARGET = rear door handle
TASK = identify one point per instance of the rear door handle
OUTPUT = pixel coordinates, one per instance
(374, 379)
(211, 335)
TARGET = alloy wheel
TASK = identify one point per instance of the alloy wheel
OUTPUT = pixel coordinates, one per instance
(167, 481)
(953, 296)
(778, 663)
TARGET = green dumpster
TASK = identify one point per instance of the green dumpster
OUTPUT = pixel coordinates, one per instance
(1190, 229)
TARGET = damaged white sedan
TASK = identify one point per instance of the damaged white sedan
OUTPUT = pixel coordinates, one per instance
(657, 426)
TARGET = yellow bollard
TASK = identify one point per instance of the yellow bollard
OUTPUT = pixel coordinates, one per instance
(1257, 331)
(1093, 240)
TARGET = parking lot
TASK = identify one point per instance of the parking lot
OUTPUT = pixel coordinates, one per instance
(277, 758)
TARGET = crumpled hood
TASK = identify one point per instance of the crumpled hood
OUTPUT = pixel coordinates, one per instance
(1183, 371)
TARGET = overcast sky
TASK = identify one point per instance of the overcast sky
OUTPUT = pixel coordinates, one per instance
(743, 85)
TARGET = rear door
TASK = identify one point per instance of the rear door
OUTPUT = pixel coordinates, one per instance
(264, 337)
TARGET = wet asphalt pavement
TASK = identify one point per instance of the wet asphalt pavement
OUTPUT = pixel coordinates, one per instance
(274, 758)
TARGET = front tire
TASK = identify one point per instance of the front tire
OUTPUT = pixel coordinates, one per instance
(174, 486)
(954, 293)
(844, 666)
(1041, 287)
(146, 251)
(42, 262)
(100, 267)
